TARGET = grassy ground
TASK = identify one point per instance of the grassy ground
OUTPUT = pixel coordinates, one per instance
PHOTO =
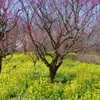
(20, 80)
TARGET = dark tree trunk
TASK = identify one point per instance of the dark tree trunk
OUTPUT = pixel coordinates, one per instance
(0, 64)
(53, 70)
(54, 65)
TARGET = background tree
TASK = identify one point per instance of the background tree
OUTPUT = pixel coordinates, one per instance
(59, 25)
(8, 27)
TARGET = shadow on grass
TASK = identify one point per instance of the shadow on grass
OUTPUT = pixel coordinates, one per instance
(63, 81)
(66, 79)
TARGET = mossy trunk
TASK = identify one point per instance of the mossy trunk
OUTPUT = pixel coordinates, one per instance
(0, 64)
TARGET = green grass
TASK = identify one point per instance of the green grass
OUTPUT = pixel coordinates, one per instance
(20, 80)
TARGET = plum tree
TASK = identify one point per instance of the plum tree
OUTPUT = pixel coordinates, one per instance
(58, 25)
(9, 15)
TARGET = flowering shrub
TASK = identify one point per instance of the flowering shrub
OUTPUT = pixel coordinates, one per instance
(20, 80)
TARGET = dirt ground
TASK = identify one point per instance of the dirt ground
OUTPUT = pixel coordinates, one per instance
(88, 57)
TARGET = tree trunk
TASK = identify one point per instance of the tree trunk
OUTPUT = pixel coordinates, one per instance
(0, 64)
(53, 71)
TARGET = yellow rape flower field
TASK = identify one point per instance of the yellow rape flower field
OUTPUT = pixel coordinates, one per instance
(20, 80)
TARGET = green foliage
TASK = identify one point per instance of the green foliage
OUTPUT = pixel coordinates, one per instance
(20, 80)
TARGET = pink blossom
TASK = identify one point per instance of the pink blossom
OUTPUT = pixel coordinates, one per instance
(9, 1)
(4, 10)
(66, 2)
(2, 2)
(93, 2)
(98, 16)
(24, 26)
(28, 31)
